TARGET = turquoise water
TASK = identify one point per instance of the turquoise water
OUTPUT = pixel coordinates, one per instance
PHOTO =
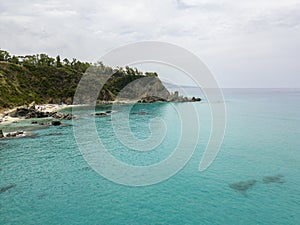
(54, 184)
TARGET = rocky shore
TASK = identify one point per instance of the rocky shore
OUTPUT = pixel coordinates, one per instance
(50, 111)
(172, 98)
(32, 111)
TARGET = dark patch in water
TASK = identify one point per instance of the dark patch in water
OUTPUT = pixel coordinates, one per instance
(41, 196)
(139, 113)
(273, 179)
(3, 189)
(242, 186)
(50, 157)
(86, 168)
(2, 144)
(54, 134)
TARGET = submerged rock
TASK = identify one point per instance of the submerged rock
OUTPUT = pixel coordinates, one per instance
(56, 123)
(55, 134)
(101, 114)
(273, 179)
(242, 186)
(140, 113)
(3, 189)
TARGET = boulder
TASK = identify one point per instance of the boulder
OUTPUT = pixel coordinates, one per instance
(19, 132)
(62, 116)
(19, 112)
(56, 123)
(1, 134)
(36, 114)
(195, 99)
(101, 114)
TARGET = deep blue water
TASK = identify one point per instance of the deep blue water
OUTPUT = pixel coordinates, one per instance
(55, 185)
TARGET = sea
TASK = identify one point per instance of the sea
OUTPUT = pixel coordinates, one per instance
(255, 178)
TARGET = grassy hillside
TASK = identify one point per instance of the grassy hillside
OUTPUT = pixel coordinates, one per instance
(43, 79)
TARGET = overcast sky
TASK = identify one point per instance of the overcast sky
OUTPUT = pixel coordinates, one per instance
(244, 43)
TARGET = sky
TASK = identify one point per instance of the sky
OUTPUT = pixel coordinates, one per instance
(243, 43)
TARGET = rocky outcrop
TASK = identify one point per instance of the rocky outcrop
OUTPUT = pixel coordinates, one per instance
(36, 114)
(31, 112)
(171, 98)
(14, 134)
(20, 112)
(62, 116)
(11, 134)
(101, 114)
(151, 99)
(1, 134)
(195, 99)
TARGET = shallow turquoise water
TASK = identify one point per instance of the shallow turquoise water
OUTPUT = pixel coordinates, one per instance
(54, 184)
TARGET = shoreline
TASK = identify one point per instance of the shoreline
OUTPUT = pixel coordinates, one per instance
(5, 119)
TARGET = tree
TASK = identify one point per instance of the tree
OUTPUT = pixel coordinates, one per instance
(151, 74)
(14, 59)
(66, 61)
(4, 55)
(58, 63)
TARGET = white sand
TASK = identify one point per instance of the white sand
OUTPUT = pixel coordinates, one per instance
(51, 107)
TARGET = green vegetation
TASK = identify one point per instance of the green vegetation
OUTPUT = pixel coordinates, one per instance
(43, 79)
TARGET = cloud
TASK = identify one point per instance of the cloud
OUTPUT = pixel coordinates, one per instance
(226, 34)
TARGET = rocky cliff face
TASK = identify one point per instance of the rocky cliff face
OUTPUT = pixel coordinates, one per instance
(143, 87)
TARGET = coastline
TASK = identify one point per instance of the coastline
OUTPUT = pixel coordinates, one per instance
(5, 119)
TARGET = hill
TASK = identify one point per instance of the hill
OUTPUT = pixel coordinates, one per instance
(43, 79)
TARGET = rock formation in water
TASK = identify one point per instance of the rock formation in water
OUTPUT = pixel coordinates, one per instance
(273, 179)
(6, 188)
(242, 186)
